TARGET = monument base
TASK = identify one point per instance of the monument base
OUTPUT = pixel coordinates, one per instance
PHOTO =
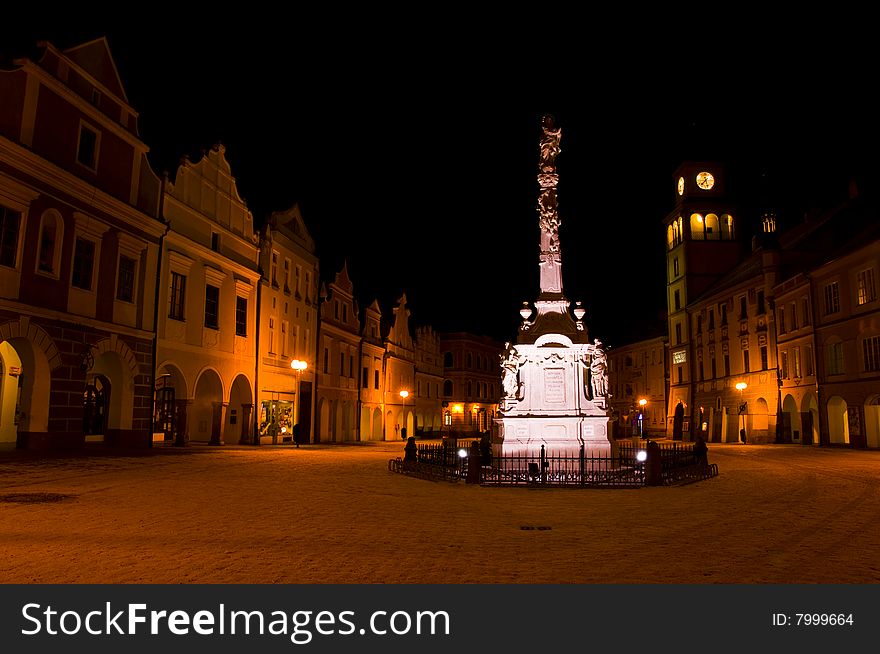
(560, 436)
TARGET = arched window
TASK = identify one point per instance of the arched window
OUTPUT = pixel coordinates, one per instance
(447, 359)
(712, 227)
(670, 239)
(447, 388)
(468, 360)
(698, 229)
(727, 233)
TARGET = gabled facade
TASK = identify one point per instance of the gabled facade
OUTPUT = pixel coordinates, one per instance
(288, 315)
(207, 307)
(79, 242)
(338, 353)
(371, 389)
(400, 367)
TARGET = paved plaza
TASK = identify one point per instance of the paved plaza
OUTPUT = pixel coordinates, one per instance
(334, 514)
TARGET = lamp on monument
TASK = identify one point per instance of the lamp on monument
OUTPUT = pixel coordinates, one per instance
(579, 311)
(526, 311)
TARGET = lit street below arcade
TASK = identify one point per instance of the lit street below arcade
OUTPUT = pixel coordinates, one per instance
(335, 514)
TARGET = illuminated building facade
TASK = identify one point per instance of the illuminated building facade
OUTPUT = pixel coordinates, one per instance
(338, 355)
(701, 246)
(830, 350)
(471, 381)
(371, 390)
(207, 307)
(288, 317)
(637, 371)
(429, 380)
(400, 370)
(79, 244)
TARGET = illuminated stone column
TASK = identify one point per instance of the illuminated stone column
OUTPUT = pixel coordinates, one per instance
(181, 426)
(217, 423)
(246, 410)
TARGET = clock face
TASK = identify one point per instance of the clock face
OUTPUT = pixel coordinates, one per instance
(681, 185)
(705, 180)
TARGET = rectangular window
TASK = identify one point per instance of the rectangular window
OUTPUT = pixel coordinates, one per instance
(796, 362)
(727, 365)
(83, 263)
(326, 360)
(271, 335)
(808, 360)
(376, 379)
(794, 321)
(212, 307)
(745, 360)
(297, 287)
(835, 359)
(215, 241)
(764, 361)
(871, 350)
(178, 294)
(805, 306)
(699, 324)
(866, 286)
(125, 280)
(274, 269)
(832, 298)
(351, 366)
(344, 313)
(308, 288)
(87, 149)
(287, 275)
(678, 374)
(711, 318)
(781, 321)
(677, 296)
(678, 333)
(761, 309)
(743, 311)
(365, 377)
(701, 369)
(675, 267)
(722, 308)
(10, 223)
(284, 351)
(341, 364)
(336, 309)
(783, 365)
(240, 316)
(714, 368)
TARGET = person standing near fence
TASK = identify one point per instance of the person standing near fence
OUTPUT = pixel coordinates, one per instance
(701, 452)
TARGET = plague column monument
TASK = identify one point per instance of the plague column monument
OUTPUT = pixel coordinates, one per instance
(555, 382)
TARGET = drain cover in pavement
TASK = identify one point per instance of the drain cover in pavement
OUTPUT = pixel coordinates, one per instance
(526, 528)
(33, 498)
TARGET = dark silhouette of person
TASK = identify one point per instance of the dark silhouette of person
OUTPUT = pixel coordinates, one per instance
(701, 452)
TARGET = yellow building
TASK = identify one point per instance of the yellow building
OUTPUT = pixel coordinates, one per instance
(288, 328)
(207, 307)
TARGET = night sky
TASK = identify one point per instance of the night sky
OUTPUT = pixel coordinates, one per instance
(414, 157)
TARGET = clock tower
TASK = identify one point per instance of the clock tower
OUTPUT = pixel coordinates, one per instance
(701, 246)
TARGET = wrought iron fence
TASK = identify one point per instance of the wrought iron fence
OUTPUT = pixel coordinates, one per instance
(621, 469)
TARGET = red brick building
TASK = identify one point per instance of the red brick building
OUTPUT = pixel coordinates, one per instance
(79, 243)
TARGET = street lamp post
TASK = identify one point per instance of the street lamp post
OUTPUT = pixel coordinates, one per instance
(403, 432)
(298, 366)
(642, 403)
(741, 386)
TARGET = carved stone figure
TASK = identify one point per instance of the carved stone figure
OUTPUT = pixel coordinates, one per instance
(549, 145)
(599, 371)
(510, 364)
